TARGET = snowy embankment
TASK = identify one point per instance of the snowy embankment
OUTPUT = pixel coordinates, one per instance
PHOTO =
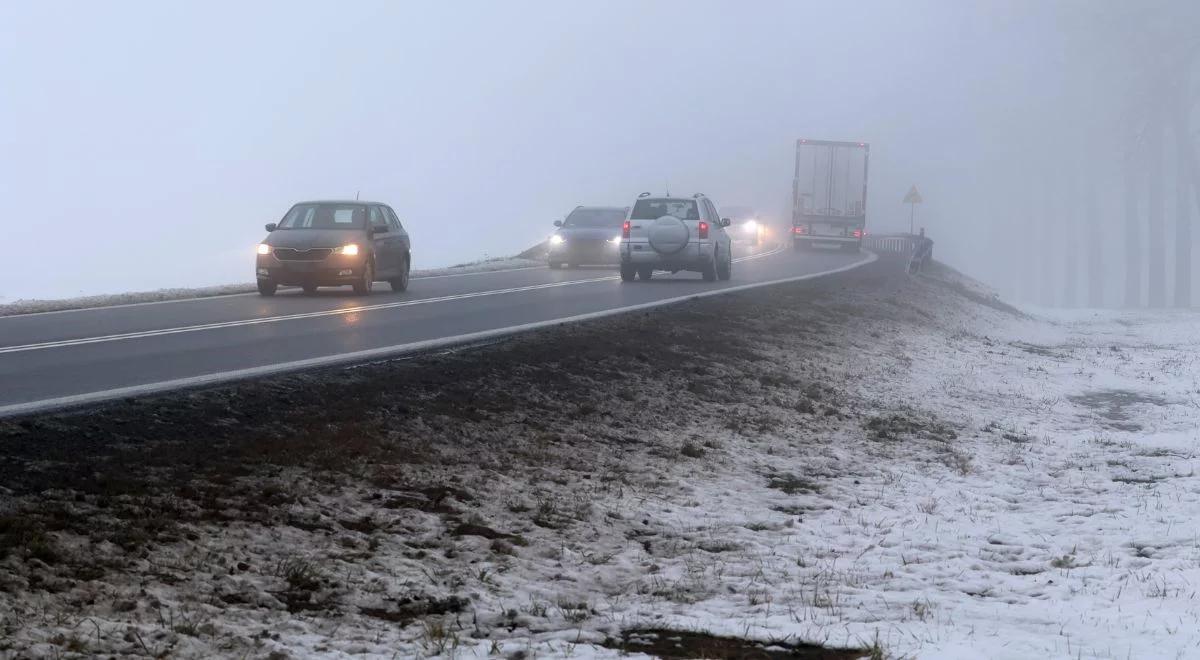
(900, 465)
(161, 295)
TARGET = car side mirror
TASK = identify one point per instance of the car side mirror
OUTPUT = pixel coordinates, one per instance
(725, 222)
(379, 229)
(558, 223)
(271, 226)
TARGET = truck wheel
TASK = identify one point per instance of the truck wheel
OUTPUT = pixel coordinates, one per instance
(628, 272)
(309, 289)
(554, 265)
(852, 248)
(267, 288)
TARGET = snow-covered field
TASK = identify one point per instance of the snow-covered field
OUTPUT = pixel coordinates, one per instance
(900, 465)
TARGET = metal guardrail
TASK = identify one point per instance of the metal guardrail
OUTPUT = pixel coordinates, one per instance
(918, 248)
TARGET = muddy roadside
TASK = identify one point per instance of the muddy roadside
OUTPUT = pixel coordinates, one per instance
(494, 495)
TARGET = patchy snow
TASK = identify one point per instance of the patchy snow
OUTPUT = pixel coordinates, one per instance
(161, 295)
(905, 464)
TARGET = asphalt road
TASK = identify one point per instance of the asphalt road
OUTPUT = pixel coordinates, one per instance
(58, 359)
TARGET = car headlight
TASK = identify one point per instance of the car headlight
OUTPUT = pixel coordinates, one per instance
(263, 248)
(350, 250)
(616, 241)
(751, 227)
(556, 240)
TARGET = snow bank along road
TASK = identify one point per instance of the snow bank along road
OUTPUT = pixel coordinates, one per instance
(58, 359)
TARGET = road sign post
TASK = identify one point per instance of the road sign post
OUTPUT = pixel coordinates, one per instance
(912, 199)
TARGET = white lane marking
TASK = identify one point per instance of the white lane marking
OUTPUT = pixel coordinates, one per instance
(340, 311)
(255, 293)
(242, 295)
(386, 351)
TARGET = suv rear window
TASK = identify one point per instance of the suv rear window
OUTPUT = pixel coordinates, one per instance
(601, 218)
(653, 209)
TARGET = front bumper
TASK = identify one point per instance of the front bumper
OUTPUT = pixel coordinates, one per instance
(334, 270)
(585, 252)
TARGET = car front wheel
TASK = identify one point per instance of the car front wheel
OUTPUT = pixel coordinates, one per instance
(363, 286)
(267, 288)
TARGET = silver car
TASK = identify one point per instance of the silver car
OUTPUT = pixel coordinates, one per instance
(674, 234)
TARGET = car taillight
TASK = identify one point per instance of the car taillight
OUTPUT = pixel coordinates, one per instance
(625, 230)
(800, 230)
(703, 229)
(857, 233)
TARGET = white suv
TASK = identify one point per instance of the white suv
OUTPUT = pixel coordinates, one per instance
(674, 234)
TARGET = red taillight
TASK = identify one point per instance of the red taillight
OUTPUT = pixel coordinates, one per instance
(800, 230)
(625, 230)
(703, 229)
(857, 233)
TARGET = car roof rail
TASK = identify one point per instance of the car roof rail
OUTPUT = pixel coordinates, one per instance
(645, 194)
(697, 195)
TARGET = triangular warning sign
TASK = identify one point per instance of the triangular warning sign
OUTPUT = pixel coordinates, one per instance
(913, 197)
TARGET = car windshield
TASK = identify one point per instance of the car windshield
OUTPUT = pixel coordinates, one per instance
(596, 218)
(653, 209)
(325, 216)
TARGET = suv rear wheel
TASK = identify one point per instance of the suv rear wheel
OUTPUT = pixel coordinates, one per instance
(709, 270)
(628, 272)
(725, 267)
(645, 273)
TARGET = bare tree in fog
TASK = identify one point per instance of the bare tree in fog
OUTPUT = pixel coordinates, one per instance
(1095, 246)
(1159, 104)
(1185, 178)
(1133, 231)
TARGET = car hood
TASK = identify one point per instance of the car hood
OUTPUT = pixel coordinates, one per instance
(304, 239)
(589, 233)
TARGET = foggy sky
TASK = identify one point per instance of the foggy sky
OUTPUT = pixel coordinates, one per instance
(144, 144)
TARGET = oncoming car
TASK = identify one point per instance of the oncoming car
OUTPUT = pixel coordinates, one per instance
(674, 234)
(589, 235)
(745, 225)
(332, 243)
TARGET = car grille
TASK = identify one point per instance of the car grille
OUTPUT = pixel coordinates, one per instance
(590, 244)
(292, 254)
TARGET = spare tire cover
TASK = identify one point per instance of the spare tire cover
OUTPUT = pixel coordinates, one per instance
(668, 235)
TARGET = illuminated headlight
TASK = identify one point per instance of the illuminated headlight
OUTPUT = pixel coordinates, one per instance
(349, 250)
(615, 241)
(751, 227)
(263, 248)
(556, 240)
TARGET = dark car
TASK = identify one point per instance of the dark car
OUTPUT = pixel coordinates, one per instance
(335, 244)
(589, 235)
